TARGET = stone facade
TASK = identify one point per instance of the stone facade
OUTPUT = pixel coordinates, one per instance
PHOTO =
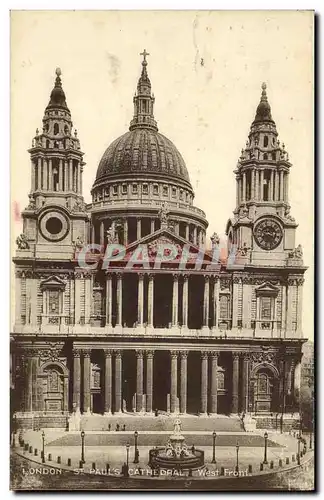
(204, 338)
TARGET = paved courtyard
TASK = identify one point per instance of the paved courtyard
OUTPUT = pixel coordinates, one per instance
(110, 448)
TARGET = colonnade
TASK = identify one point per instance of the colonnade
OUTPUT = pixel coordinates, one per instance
(69, 177)
(278, 185)
(208, 304)
(189, 231)
(178, 364)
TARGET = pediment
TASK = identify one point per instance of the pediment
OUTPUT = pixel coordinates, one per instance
(52, 282)
(162, 239)
(267, 288)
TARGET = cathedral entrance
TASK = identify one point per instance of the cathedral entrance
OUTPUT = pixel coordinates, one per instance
(194, 383)
(161, 380)
(129, 381)
(264, 387)
(163, 301)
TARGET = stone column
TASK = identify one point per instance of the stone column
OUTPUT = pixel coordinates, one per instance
(102, 233)
(206, 302)
(66, 176)
(61, 175)
(50, 175)
(271, 186)
(175, 298)
(216, 303)
(290, 285)
(245, 385)
(281, 193)
(235, 300)
(70, 175)
(139, 229)
(119, 299)
(286, 187)
(244, 187)
(108, 381)
(126, 231)
(140, 300)
(152, 225)
(76, 378)
(204, 382)
(253, 176)
(187, 232)
(276, 186)
(237, 191)
(174, 380)
(195, 235)
(150, 298)
(79, 178)
(33, 176)
(38, 184)
(299, 325)
(88, 297)
(247, 302)
(93, 233)
(45, 175)
(86, 381)
(118, 381)
(139, 381)
(214, 356)
(77, 298)
(261, 184)
(235, 382)
(283, 310)
(108, 299)
(18, 298)
(149, 381)
(256, 186)
(29, 383)
(185, 301)
(183, 381)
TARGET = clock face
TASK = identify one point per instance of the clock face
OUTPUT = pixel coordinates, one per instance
(54, 225)
(268, 234)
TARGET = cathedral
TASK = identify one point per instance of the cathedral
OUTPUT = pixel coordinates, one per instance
(189, 333)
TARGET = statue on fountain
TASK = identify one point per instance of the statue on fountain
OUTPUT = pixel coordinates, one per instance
(177, 426)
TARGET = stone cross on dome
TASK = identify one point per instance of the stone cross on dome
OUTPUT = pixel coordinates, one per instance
(144, 54)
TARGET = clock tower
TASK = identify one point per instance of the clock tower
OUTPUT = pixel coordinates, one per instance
(262, 228)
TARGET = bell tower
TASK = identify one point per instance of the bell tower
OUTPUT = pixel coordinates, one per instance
(55, 217)
(262, 228)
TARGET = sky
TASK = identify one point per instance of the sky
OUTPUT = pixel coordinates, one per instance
(206, 70)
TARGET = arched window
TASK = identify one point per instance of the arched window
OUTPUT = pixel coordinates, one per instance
(265, 156)
(265, 141)
(56, 128)
(47, 144)
(273, 155)
(220, 380)
(66, 130)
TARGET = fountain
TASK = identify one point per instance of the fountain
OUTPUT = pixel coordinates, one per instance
(176, 455)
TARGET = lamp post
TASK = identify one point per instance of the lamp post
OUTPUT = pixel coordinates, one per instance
(265, 460)
(214, 447)
(136, 449)
(43, 447)
(82, 446)
(127, 454)
(237, 460)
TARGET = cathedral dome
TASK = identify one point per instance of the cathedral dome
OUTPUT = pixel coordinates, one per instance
(143, 150)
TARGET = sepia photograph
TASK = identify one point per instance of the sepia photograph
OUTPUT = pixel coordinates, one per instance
(162, 250)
